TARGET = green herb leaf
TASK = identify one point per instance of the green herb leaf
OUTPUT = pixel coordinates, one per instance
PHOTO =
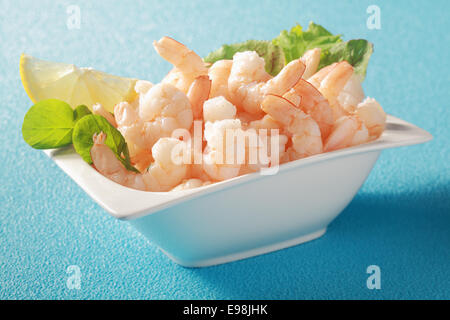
(356, 52)
(272, 54)
(296, 42)
(80, 112)
(291, 45)
(48, 124)
(84, 131)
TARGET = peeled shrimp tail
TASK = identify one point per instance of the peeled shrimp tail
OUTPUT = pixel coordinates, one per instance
(286, 79)
(98, 109)
(198, 93)
(106, 162)
(334, 79)
(188, 65)
(311, 59)
(314, 103)
(180, 56)
(317, 77)
(219, 73)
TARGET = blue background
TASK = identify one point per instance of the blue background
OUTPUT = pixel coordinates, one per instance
(400, 219)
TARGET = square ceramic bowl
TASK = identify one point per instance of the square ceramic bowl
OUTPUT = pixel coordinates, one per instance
(248, 215)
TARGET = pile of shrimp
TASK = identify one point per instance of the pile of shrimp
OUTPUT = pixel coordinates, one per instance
(314, 111)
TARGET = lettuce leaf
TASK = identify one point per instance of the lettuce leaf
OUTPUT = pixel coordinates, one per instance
(271, 53)
(296, 42)
(290, 45)
(356, 52)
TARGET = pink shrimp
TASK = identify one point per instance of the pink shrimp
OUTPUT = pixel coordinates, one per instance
(330, 81)
(245, 88)
(187, 64)
(311, 59)
(310, 100)
(198, 93)
(162, 175)
(343, 134)
(306, 138)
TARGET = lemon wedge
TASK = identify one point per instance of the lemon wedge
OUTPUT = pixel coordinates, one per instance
(54, 80)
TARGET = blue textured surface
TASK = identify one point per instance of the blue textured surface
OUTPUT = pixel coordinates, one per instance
(400, 220)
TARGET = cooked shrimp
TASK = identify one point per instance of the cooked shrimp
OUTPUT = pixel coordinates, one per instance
(373, 116)
(311, 101)
(167, 170)
(218, 108)
(306, 138)
(361, 135)
(330, 81)
(98, 109)
(332, 85)
(246, 67)
(142, 86)
(343, 133)
(127, 120)
(132, 128)
(266, 122)
(264, 147)
(263, 150)
(140, 158)
(161, 110)
(311, 59)
(252, 121)
(317, 77)
(293, 97)
(219, 73)
(167, 105)
(198, 93)
(352, 94)
(197, 172)
(188, 65)
(215, 154)
(107, 164)
(246, 87)
(247, 118)
(162, 175)
(191, 184)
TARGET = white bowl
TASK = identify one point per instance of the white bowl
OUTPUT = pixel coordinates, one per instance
(248, 215)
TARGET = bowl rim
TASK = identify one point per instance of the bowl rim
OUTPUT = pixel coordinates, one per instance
(126, 203)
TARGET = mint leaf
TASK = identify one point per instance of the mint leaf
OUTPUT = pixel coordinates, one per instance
(48, 124)
(356, 52)
(80, 112)
(296, 42)
(272, 54)
(84, 131)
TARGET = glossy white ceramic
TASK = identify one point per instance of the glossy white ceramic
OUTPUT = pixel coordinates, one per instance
(248, 215)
